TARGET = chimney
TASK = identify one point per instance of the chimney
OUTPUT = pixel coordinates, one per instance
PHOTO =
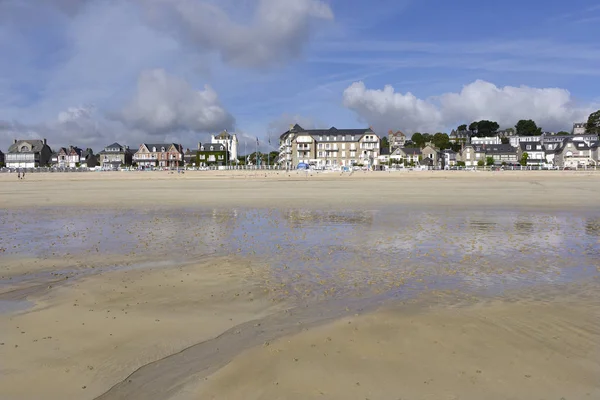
(45, 142)
(199, 145)
(15, 141)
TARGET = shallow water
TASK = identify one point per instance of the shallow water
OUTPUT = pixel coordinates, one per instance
(328, 254)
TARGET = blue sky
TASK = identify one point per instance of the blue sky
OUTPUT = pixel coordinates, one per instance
(89, 72)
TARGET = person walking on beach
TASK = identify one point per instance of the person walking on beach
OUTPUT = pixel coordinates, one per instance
(18, 173)
(23, 175)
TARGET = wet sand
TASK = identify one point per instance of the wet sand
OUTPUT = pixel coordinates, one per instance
(220, 312)
(511, 348)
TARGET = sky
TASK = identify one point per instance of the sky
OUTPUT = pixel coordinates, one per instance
(92, 72)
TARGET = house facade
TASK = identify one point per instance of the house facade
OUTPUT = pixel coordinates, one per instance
(536, 153)
(460, 137)
(486, 140)
(450, 158)
(161, 155)
(28, 154)
(229, 141)
(328, 147)
(115, 155)
(579, 128)
(396, 139)
(431, 156)
(407, 155)
(68, 157)
(471, 154)
(211, 154)
(575, 154)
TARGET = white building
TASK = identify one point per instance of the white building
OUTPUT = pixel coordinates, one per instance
(579, 128)
(28, 153)
(230, 142)
(486, 140)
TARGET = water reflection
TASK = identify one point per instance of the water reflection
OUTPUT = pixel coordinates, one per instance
(328, 252)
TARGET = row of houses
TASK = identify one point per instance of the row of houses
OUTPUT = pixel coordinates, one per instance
(33, 153)
(571, 152)
(330, 148)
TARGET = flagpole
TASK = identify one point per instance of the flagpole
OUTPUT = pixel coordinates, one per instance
(269, 153)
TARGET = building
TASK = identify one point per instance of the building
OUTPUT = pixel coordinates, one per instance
(460, 137)
(89, 159)
(115, 155)
(396, 139)
(324, 148)
(579, 128)
(407, 155)
(1, 158)
(450, 158)
(536, 153)
(29, 153)
(486, 140)
(575, 154)
(471, 154)
(212, 154)
(68, 157)
(230, 142)
(431, 156)
(503, 154)
(161, 155)
(514, 141)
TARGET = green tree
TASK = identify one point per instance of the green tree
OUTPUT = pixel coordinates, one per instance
(563, 133)
(473, 126)
(528, 127)
(462, 128)
(505, 140)
(487, 128)
(441, 141)
(593, 123)
(417, 139)
(480, 163)
(385, 143)
(524, 158)
(489, 161)
(426, 139)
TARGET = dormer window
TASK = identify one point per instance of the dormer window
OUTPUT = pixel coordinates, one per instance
(154, 149)
(162, 149)
(202, 148)
(528, 147)
(212, 148)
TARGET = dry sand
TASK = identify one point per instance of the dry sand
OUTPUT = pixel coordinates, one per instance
(547, 189)
(85, 335)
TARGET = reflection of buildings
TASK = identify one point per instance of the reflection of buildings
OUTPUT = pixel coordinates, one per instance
(299, 218)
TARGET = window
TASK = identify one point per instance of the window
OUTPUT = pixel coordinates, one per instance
(343, 154)
(343, 146)
(320, 137)
(212, 148)
(352, 137)
(320, 145)
(320, 154)
(154, 149)
(528, 147)
(343, 138)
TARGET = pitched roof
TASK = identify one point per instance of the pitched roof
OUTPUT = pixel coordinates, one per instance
(334, 132)
(498, 148)
(411, 150)
(36, 145)
(149, 146)
(523, 145)
(223, 135)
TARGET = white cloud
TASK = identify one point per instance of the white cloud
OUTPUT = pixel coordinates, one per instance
(277, 33)
(163, 103)
(552, 108)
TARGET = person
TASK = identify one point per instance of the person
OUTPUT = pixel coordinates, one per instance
(23, 175)
(18, 173)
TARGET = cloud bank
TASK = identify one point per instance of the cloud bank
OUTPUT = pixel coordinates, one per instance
(163, 103)
(552, 108)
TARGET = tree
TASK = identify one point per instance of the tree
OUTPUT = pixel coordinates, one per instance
(489, 161)
(426, 139)
(480, 163)
(593, 123)
(505, 140)
(484, 128)
(524, 158)
(441, 141)
(385, 143)
(528, 127)
(563, 133)
(462, 128)
(473, 126)
(417, 139)
(409, 143)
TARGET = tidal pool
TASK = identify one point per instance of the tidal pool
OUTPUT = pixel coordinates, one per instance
(329, 254)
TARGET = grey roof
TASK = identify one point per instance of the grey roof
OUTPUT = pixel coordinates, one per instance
(36, 145)
(149, 146)
(384, 151)
(223, 135)
(337, 135)
(523, 145)
(411, 150)
(498, 148)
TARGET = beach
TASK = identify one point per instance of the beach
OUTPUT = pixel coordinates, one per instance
(265, 285)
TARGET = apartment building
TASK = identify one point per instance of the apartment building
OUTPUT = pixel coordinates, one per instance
(326, 148)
